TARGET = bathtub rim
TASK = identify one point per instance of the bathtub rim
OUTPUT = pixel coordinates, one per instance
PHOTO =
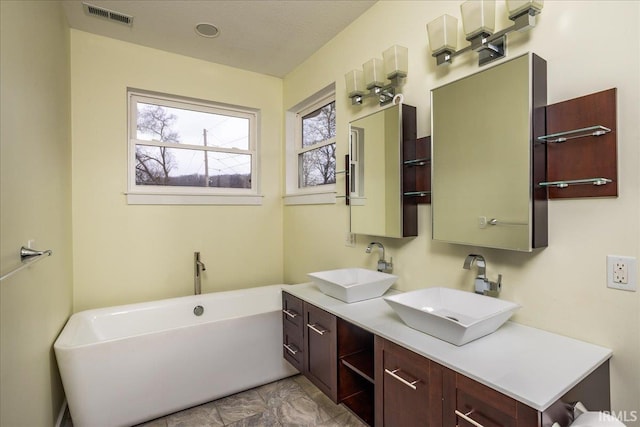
(89, 315)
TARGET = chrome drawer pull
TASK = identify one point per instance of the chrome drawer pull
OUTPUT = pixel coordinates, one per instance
(468, 419)
(411, 384)
(291, 349)
(315, 327)
(291, 314)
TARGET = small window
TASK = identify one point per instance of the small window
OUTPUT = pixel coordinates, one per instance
(317, 146)
(180, 146)
(310, 132)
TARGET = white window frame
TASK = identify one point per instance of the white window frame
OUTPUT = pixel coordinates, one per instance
(179, 195)
(294, 194)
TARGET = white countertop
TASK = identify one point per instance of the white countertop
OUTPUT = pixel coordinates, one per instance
(530, 365)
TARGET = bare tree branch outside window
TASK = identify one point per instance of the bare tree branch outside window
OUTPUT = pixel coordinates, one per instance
(318, 165)
(153, 164)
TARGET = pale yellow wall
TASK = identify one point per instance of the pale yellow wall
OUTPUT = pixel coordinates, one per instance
(125, 253)
(590, 46)
(35, 203)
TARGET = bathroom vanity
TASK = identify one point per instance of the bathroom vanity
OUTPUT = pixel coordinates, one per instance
(388, 374)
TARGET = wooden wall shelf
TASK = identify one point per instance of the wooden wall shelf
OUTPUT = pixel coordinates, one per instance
(417, 171)
(591, 159)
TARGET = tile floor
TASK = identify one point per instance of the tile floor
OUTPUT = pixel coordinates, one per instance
(291, 402)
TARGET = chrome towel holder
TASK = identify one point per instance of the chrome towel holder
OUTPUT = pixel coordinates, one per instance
(28, 256)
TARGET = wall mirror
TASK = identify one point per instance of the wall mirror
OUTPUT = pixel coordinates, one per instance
(375, 170)
(486, 161)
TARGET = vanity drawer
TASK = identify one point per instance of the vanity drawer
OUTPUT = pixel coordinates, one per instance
(473, 404)
(293, 344)
(292, 310)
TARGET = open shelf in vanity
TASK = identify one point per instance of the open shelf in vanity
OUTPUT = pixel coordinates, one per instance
(356, 370)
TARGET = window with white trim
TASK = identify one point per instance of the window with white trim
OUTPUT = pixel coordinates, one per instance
(316, 145)
(311, 150)
(191, 151)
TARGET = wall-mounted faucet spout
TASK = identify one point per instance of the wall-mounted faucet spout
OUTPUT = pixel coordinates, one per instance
(480, 262)
(198, 268)
(482, 285)
(383, 265)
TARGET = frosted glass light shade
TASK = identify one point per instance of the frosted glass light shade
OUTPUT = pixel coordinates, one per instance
(443, 34)
(354, 80)
(374, 73)
(516, 7)
(478, 16)
(396, 61)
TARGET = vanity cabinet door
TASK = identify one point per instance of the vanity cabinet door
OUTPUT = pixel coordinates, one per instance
(470, 404)
(320, 354)
(292, 330)
(408, 387)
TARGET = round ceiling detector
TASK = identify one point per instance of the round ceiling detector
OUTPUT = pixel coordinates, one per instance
(205, 29)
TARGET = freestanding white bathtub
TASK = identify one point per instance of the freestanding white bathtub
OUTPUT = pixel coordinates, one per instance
(124, 365)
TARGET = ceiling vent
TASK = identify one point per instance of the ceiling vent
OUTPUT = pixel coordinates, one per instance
(101, 12)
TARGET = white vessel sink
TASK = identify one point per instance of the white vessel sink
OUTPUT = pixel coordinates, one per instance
(353, 284)
(451, 315)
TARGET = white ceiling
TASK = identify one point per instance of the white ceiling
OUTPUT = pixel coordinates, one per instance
(266, 36)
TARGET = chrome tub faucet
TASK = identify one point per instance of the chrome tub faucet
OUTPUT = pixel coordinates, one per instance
(483, 286)
(384, 266)
(198, 268)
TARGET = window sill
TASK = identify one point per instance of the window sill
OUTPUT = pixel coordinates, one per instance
(192, 199)
(325, 198)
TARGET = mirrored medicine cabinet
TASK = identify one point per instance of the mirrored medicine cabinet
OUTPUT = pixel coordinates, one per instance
(486, 162)
(377, 205)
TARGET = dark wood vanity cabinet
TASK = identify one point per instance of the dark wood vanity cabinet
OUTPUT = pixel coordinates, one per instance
(309, 339)
(465, 398)
(408, 387)
(335, 355)
(385, 384)
(415, 391)
(320, 361)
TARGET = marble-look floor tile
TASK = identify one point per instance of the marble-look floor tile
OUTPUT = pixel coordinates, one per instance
(241, 405)
(307, 385)
(200, 416)
(267, 418)
(327, 405)
(346, 419)
(291, 402)
(301, 412)
(277, 392)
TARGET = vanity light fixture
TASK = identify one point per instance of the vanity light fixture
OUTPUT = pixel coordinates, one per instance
(478, 18)
(380, 78)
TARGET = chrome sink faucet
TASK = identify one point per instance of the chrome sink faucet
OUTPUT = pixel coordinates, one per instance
(483, 286)
(198, 268)
(384, 266)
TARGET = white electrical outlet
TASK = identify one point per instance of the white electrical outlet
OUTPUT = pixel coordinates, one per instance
(622, 272)
(350, 240)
